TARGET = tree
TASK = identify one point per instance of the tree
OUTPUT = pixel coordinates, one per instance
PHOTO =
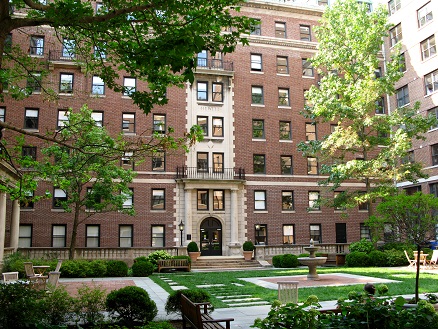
(155, 41)
(363, 146)
(412, 218)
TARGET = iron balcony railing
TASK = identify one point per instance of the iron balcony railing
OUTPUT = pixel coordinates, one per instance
(210, 173)
(214, 64)
(62, 55)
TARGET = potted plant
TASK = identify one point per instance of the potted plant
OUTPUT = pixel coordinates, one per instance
(193, 250)
(248, 249)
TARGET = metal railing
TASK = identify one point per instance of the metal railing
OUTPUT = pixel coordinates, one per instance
(214, 64)
(210, 173)
(59, 55)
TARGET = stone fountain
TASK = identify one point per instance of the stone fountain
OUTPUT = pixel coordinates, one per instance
(312, 261)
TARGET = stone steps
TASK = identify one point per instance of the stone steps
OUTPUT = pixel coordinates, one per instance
(206, 262)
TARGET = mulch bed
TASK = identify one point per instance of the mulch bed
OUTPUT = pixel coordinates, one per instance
(108, 286)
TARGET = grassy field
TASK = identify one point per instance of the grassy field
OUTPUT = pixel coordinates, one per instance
(223, 283)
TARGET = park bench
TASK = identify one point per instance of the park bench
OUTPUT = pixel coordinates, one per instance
(196, 315)
(173, 264)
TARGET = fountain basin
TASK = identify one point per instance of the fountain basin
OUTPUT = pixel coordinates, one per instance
(312, 263)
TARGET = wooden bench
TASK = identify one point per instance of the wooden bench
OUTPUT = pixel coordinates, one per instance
(196, 315)
(174, 264)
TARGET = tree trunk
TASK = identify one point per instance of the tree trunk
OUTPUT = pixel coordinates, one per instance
(417, 276)
(74, 233)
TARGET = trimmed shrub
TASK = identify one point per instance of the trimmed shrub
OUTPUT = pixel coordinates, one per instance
(398, 246)
(378, 258)
(115, 268)
(141, 259)
(357, 259)
(192, 247)
(156, 255)
(142, 268)
(276, 261)
(96, 269)
(132, 305)
(396, 258)
(173, 304)
(159, 325)
(289, 260)
(362, 245)
(77, 268)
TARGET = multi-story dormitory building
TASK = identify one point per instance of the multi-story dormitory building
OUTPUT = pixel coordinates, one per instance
(244, 181)
(416, 28)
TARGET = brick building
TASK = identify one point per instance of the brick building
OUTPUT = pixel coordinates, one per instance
(244, 181)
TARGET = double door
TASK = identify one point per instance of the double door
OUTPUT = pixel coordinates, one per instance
(211, 237)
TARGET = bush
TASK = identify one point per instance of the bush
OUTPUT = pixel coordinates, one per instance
(173, 304)
(77, 268)
(142, 268)
(276, 261)
(116, 268)
(56, 307)
(132, 305)
(396, 258)
(159, 325)
(89, 305)
(15, 263)
(357, 259)
(248, 246)
(363, 246)
(378, 258)
(289, 260)
(156, 255)
(192, 247)
(398, 246)
(96, 269)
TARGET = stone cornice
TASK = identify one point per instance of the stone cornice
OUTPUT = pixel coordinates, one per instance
(306, 45)
(285, 7)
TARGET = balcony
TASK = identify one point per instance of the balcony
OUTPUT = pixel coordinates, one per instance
(210, 173)
(63, 56)
(213, 64)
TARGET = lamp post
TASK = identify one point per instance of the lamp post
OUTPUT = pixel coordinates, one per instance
(181, 229)
(257, 228)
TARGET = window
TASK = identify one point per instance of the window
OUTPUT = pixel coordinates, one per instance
(217, 92)
(412, 190)
(34, 81)
(312, 166)
(157, 236)
(259, 164)
(395, 35)
(313, 200)
(99, 52)
(402, 62)
(59, 196)
(282, 66)
(402, 96)
(408, 158)
(323, 3)
(98, 86)
(202, 59)
(261, 232)
(127, 162)
(8, 43)
(26, 202)
(125, 236)
(59, 236)
(100, 8)
(62, 119)
(160, 123)
(158, 199)
(433, 112)
(218, 162)
(431, 82)
(66, 83)
(203, 123)
(29, 152)
(287, 200)
(202, 94)
(393, 6)
(259, 200)
(434, 189)
(428, 48)
(31, 118)
(25, 236)
(97, 116)
(256, 62)
(286, 165)
(367, 5)
(365, 232)
(307, 68)
(424, 14)
(2, 114)
(434, 154)
(93, 236)
(129, 199)
(305, 33)
(315, 233)
(36, 45)
(257, 95)
(256, 27)
(285, 130)
(218, 200)
(202, 200)
(202, 161)
(280, 30)
(380, 106)
(129, 86)
(68, 48)
(339, 196)
(310, 131)
(258, 129)
(128, 123)
(288, 234)
(158, 161)
(363, 206)
(283, 97)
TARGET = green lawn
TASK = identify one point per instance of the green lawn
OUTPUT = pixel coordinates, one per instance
(230, 284)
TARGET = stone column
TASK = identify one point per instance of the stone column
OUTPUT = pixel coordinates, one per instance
(2, 224)
(234, 222)
(188, 213)
(15, 224)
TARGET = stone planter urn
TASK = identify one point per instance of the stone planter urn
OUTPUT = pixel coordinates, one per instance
(193, 251)
(248, 250)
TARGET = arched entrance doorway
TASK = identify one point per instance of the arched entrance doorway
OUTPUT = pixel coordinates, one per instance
(211, 237)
